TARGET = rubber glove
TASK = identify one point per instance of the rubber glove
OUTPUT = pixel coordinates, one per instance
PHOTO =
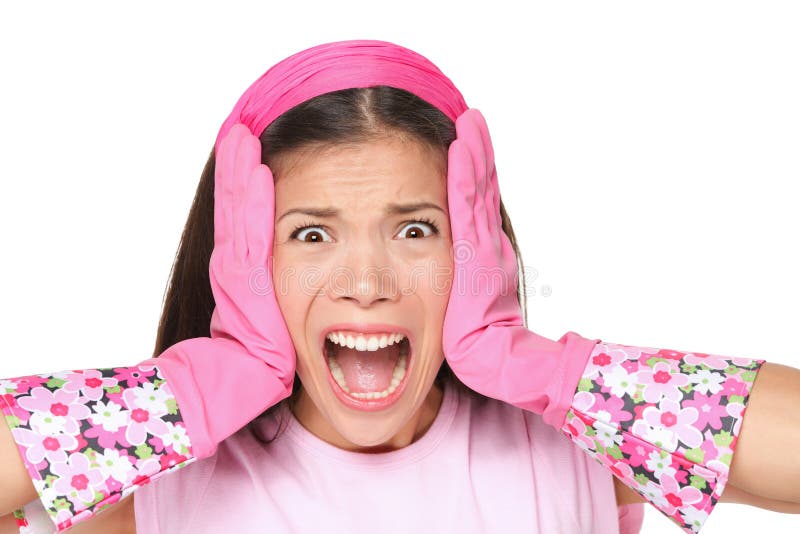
(250, 343)
(484, 339)
(153, 418)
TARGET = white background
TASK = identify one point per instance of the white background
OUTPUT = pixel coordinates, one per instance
(648, 155)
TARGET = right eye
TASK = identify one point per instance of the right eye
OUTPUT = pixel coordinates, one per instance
(314, 231)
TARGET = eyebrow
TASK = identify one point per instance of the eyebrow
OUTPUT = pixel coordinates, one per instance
(391, 209)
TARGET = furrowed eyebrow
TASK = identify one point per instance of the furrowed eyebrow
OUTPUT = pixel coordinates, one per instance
(391, 209)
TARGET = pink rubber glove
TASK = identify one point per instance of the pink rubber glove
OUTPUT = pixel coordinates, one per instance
(223, 382)
(484, 339)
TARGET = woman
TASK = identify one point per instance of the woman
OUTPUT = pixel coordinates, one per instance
(366, 149)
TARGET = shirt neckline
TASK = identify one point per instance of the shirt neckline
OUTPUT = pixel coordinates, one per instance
(414, 452)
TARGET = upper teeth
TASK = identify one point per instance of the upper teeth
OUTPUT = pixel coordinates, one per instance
(362, 342)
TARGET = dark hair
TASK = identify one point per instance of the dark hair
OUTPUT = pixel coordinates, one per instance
(348, 116)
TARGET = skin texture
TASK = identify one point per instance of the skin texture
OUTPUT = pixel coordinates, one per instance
(364, 265)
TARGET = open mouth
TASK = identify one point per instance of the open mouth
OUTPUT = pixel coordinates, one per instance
(368, 367)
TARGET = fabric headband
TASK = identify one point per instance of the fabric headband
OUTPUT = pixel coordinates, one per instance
(341, 65)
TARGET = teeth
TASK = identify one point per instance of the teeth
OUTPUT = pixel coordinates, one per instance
(365, 342)
(397, 377)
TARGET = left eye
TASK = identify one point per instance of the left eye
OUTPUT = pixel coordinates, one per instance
(415, 233)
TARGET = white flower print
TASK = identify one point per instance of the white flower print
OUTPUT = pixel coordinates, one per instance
(109, 415)
(707, 381)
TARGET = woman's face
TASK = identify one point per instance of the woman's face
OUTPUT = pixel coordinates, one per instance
(349, 258)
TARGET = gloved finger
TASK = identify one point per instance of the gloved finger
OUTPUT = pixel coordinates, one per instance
(492, 189)
(223, 172)
(248, 156)
(460, 201)
(467, 131)
(260, 215)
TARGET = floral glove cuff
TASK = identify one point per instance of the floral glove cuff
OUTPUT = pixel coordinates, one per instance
(664, 422)
(89, 438)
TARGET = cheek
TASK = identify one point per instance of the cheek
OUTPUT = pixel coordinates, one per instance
(290, 292)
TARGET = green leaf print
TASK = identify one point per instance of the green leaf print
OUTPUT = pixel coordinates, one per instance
(695, 455)
(614, 452)
(144, 451)
(748, 376)
(55, 382)
(113, 389)
(13, 421)
(698, 482)
(736, 398)
(723, 439)
(641, 479)
(585, 385)
(654, 360)
(688, 368)
(172, 406)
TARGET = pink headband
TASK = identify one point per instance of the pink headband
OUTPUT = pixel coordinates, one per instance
(341, 65)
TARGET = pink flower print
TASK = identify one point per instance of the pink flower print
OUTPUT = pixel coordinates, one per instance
(115, 465)
(620, 382)
(604, 357)
(733, 386)
(712, 361)
(623, 472)
(693, 517)
(133, 376)
(177, 438)
(659, 463)
(23, 384)
(606, 432)
(41, 446)
(91, 382)
(152, 399)
(583, 401)
(614, 406)
(718, 465)
(735, 410)
(142, 420)
(76, 480)
(708, 408)
(635, 450)
(676, 496)
(707, 381)
(678, 421)
(13, 408)
(630, 352)
(576, 430)
(655, 494)
(106, 439)
(109, 415)
(661, 381)
(710, 451)
(669, 354)
(171, 459)
(54, 412)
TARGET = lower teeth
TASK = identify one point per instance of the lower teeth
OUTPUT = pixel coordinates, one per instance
(397, 376)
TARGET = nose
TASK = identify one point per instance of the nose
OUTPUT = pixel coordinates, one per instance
(365, 275)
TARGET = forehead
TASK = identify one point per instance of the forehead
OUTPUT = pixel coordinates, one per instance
(380, 169)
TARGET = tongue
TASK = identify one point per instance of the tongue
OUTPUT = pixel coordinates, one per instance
(366, 371)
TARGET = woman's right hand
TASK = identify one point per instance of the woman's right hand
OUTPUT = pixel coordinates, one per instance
(223, 382)
(240, 269)
(191, 397)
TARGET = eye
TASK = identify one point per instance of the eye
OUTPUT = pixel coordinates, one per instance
(422, 221)
(315, 231)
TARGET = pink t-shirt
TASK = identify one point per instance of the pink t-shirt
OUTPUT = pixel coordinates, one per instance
(482, 466)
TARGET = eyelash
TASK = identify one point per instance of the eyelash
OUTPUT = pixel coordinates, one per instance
(312, 224)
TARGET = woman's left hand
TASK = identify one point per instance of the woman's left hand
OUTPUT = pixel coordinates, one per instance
(484, 338)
